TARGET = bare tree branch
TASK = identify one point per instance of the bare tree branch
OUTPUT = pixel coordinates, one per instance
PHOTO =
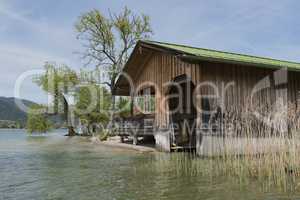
(109, 40)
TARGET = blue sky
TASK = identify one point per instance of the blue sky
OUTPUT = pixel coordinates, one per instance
(32, 31)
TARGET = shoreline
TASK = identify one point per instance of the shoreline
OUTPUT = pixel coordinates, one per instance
(119, 145)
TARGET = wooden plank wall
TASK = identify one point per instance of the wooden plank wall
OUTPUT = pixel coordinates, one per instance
(234, 83)
(160, 70)
(163, 68)
(294, 87)
(245, 79)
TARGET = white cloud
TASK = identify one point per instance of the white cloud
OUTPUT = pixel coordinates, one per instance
(5, 9)
(17, 60)
(28, 57)
(45, 42)
(54, 35)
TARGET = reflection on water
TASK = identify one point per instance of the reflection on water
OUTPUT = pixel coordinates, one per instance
(56, 167)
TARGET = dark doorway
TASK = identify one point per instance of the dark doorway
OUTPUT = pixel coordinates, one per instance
(183, 113)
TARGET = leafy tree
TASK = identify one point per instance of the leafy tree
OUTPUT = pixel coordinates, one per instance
(92, 105)
(37, 121)
(109, 40)
(59, 81)
(123, 105)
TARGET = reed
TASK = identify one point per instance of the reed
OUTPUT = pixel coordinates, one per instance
(270, 153)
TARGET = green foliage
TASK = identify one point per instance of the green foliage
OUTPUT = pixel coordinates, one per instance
(103, 136)
(9, 124)
(57, 80)
(37, 121)
(92, 103)
(109, 40)
(123, 106)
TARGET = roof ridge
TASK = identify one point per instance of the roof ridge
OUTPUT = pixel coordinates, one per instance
(219, 51)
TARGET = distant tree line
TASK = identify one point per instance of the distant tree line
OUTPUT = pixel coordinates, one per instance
(11, 124)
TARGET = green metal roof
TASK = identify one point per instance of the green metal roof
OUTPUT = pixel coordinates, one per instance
(226, 56)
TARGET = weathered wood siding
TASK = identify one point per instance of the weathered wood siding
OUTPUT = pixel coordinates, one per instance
(160, 70)
(234, 82)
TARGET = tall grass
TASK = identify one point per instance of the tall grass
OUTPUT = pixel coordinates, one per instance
(271, 144)
(270, 153)
(268, 171)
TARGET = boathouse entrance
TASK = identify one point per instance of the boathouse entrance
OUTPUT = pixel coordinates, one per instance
(182, 114)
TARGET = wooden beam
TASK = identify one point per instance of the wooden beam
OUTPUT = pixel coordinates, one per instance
(141, 67)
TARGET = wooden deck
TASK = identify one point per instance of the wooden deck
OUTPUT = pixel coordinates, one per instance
(136, 126)
(139, 125)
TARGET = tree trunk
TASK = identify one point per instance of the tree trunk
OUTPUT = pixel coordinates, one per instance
(71, 131)
(131, 105)
(113, 106)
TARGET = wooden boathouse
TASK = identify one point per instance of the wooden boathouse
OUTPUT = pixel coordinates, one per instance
(186, 89)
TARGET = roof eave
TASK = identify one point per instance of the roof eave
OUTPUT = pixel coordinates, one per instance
(193, 58)
(190, 56)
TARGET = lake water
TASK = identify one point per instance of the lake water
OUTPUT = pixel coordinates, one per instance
(57, 167)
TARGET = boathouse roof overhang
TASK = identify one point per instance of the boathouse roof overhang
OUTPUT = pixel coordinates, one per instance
(145, 49)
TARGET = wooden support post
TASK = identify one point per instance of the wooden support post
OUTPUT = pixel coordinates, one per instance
(132, 99)
(135, 140)
(131, 105)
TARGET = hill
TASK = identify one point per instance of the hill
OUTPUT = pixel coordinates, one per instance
(9, 111)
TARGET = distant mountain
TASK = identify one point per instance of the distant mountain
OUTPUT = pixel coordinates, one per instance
(11, 112)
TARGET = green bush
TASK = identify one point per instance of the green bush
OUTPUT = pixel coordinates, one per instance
(103, 136)
(37, 122)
